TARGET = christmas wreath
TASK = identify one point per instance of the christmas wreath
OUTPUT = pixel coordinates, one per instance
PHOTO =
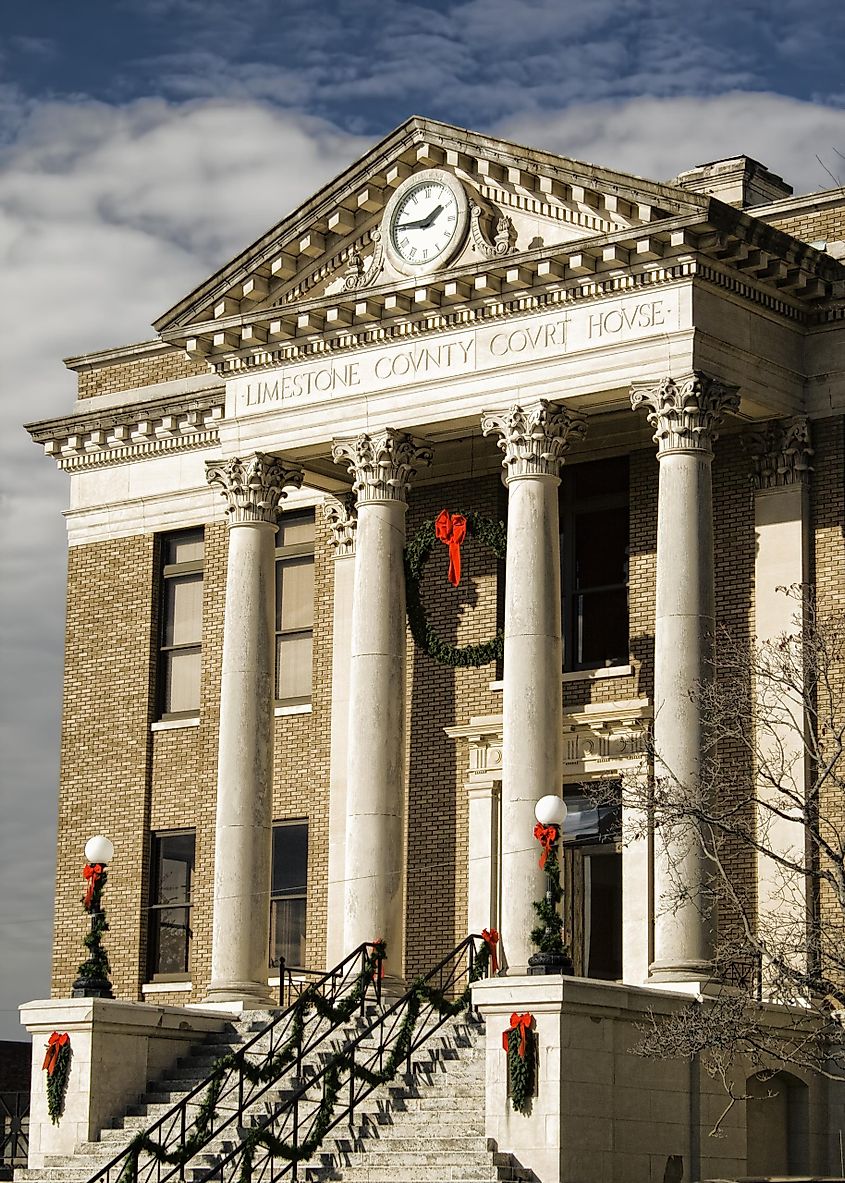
(57, 1066)
(520, 1043)
(451, 529)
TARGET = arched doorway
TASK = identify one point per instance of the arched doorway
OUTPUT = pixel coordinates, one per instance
(777, 1125)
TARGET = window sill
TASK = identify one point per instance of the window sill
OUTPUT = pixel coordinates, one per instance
(605, 671)
(297, 708)
(175, 724)
(180, 987)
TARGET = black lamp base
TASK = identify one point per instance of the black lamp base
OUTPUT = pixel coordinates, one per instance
(541, 964)
(91, 988)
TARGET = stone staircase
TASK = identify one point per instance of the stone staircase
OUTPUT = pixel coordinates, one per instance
(426, 1126)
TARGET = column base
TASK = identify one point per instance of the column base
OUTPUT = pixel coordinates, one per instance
(690, 974)
(238, 996)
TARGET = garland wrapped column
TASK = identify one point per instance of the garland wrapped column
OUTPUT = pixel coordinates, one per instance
(534, 440)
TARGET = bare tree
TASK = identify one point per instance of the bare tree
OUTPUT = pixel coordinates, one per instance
(769, 818)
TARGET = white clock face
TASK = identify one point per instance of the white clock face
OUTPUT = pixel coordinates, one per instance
(425, 222)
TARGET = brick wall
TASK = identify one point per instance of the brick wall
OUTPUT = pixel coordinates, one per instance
(162, 366)
(827, 223)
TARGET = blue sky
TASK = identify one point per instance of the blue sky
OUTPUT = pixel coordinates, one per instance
(143, 142)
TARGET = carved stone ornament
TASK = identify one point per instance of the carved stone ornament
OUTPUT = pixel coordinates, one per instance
(382, 464)
(781, 452)
(685, 414)
(534, 439)
(357, 274)
(339, 514)
(254, 488)
(504, 238)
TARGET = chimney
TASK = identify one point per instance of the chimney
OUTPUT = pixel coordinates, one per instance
(739, 181)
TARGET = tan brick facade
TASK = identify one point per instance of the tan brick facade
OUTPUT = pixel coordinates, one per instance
(163, 364)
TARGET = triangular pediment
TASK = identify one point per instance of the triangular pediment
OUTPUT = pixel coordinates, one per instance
(531, 218)
(525, 199)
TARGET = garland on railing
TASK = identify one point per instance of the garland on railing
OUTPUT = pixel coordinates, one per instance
(520, 1042)
(490, 534)
(419, 993)
(309, 1000)
(57, 1066)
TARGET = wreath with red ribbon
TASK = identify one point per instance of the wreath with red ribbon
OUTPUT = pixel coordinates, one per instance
(451, 529)
(57, 1066)
(520, 1042)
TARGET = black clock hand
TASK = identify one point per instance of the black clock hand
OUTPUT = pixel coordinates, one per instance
(422, 223)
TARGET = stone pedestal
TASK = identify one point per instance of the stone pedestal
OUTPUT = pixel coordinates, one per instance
(685, 415)
(382, 465)
(340, 516)
(116, 1049)
(240, 939)
(534, 440)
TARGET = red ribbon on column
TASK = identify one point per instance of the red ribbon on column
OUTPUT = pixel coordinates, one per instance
(451, 529)
(546, 836)
(522, 1024)
(491, 939)
(55, 1043)
(91, 872)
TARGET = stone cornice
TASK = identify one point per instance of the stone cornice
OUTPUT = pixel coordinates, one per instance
(140, 432)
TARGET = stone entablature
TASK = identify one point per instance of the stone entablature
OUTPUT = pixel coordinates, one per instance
(603, 740)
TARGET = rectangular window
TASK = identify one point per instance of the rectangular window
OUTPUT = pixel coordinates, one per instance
(294, 606)
(592, 869)
(289, 893)
(181, 623)
(170, 910)
(594, 558)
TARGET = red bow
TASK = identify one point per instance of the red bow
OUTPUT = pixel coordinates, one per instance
(451, 528)
(491, 939)
(546, 836)
(378, 972)
(92, 872)
(522, 1024)
(54, 1045)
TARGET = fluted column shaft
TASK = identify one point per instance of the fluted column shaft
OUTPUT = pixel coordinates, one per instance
(243, 826)
(534, 440)
(382, 465)
(685, 416)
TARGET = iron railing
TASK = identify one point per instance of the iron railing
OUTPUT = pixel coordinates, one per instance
(272, 1148)
(293, 982)
(14, 1132)
(246, 1075)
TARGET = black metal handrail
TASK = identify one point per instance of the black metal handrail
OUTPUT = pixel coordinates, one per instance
(221, 1098)
(273, 1148)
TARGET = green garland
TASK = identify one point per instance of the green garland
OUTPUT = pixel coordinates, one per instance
(259, 1136)
(547, 937)
(491, 534)
(522, 1070)
(96, 966)
(57, 1081)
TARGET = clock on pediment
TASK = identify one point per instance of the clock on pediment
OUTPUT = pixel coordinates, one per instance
(425, 222)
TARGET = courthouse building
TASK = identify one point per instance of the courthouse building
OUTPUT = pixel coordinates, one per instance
(645, 381)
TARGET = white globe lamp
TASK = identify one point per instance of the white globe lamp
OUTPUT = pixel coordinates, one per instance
(550, 811)
(99, 849)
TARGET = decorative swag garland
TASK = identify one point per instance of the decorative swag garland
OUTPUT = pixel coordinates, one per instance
(57, 1066)
(450, 529)
(257, 1136)
(520, 1042)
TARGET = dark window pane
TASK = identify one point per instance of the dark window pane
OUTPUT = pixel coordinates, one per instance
(287, 931)
(290, 860)
(601, 547)
(605, 903)
(176, 866)
(600, 626)
(171, 935)
(600, 478)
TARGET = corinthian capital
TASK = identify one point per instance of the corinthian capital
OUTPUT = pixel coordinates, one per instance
(781, 451)
(381, 464)
(254, 488)
(534, 438)
(686, 414)
(339, 515)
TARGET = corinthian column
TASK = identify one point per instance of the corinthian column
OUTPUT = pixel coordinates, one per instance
(685, 415)
(240, 939)
(534, 440)
(382, 465)
(339, 514)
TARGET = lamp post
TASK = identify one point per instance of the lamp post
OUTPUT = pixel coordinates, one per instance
(552, 956)
(93, 980)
